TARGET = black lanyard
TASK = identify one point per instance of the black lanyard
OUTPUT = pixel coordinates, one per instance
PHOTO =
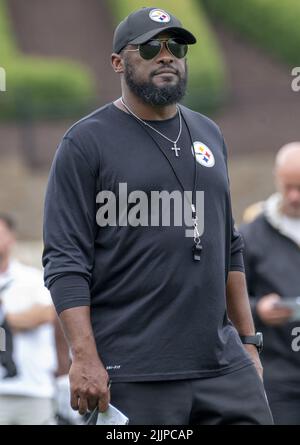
(197, 247)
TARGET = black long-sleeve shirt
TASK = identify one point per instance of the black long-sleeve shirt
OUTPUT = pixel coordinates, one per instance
(156, 313)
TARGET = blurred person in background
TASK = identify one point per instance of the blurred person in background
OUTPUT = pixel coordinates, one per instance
(272, 260)
(27, 315)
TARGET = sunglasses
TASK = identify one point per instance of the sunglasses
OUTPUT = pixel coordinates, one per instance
(177, 47)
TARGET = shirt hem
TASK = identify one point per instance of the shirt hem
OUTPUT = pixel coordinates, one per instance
(185, 375)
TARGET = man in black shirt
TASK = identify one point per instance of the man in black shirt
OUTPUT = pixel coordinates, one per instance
(141, 255)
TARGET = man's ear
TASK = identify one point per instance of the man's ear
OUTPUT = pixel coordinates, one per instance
(117, 63)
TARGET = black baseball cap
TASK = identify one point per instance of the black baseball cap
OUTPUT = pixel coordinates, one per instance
(144, 24)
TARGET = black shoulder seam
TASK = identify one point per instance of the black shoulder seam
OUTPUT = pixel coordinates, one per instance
(85, 118)
(82, 153)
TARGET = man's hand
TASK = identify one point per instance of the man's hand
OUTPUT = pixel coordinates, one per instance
(89, 382)
(269, 313)
(252, 351)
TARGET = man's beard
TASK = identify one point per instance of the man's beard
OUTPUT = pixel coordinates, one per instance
(154, 95)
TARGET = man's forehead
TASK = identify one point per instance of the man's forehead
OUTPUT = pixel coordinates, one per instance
(289, 177)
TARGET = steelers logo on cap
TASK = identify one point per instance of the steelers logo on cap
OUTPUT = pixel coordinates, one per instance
(160, 16)
(204, 155)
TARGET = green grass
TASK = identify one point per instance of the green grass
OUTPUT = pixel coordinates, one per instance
(272, 24)
(38, 87)
(206, 67)
(8, 47)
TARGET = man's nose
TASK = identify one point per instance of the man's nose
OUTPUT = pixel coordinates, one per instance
(165, 56)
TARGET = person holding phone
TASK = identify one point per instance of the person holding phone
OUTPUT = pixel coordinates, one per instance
(272, 260)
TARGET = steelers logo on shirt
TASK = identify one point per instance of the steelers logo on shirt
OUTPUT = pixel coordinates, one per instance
(204, 155)
(160, 16)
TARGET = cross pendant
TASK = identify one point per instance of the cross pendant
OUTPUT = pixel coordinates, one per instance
(176, 149)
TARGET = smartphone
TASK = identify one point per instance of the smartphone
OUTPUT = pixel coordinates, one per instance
(292, 303)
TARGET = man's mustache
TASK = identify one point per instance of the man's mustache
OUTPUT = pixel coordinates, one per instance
(165, 69)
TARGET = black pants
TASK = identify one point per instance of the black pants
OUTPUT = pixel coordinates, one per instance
(284, 400)
(286, 412)
(237, 398)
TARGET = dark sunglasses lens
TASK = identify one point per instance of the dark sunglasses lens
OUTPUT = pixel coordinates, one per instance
(150, 49)
(178, 48)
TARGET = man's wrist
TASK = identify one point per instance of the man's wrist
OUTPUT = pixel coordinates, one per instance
(84, 350)
(90, 359)
(253, 340)
(251, 348)
(79, 353)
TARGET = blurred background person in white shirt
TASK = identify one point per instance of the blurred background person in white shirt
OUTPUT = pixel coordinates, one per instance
(26, 313)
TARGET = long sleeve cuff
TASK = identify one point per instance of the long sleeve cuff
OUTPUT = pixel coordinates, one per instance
(69, 291)
(237, 262)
